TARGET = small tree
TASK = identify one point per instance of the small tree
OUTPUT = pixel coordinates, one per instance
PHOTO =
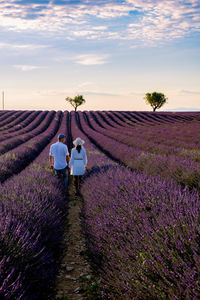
(76, 101)
(156, 100)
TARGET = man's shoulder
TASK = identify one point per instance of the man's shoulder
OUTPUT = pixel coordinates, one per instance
(64, 145)
(53, 145)
(59, 145)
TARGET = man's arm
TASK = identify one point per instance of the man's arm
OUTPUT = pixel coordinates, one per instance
(51, 161)
(67, 155)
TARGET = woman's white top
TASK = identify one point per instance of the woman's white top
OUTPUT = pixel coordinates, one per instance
(78, 161)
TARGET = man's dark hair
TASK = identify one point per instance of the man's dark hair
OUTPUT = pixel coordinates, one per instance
(60, 139)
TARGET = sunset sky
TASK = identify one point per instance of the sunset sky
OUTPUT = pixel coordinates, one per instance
(110, 51)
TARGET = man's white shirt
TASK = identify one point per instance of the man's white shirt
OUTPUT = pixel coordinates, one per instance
(59, 151)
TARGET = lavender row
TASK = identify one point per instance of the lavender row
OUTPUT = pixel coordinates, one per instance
(120, 119)
(179, 135)
(16, 122)
(134, 117)
(144, 144)
(15, 160)
(184, 132)
(33, 210)
(108, 120)
(164, 117)
(132, 222)
(19, 126)
(142, 234)
(142, 116)
(137, 116)
(8, 122)
(6, 114)
(129, 119)
(105, 120)
(116, 120)
(153, 116)
(183, 171)
(3, 114)
(40, 124)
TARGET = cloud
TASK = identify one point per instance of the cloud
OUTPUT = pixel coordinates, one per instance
(88, 59)
(86, 83)
(164, 20)
(100, 94)
(22, 46)
(90, 32)
(184, 92)
(146, 22)
(50, 93)
(137, 94)
(26, 67)
(100, 27)
(92, 59)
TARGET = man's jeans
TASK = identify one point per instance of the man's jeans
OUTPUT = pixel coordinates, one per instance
(63, 174)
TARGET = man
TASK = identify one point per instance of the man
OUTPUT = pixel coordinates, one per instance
(59, 158)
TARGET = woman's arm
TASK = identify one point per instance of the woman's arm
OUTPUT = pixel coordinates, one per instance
(71, 159)
(84, 158)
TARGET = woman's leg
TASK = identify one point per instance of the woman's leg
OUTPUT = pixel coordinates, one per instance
(76, 183)
(79, 181)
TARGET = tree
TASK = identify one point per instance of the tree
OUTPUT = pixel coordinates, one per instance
(156, 100)
(76, 101)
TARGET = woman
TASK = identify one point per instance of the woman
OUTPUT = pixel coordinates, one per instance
(78, 162)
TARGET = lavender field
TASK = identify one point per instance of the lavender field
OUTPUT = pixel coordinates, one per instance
(141, 214)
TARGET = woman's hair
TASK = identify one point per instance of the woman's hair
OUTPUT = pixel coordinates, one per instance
(78, 148)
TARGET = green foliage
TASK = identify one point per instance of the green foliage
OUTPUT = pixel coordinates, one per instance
(156, 100)
(76, 101)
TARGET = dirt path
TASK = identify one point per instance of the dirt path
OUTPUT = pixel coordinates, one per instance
(75, 280)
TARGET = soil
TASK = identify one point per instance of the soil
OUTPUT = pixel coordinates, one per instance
(75, 277)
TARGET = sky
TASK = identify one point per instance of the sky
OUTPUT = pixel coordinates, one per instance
(112, 52)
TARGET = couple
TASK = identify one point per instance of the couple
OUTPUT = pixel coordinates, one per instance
(60, 160)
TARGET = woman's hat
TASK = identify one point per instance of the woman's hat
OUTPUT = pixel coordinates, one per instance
(78, 141)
